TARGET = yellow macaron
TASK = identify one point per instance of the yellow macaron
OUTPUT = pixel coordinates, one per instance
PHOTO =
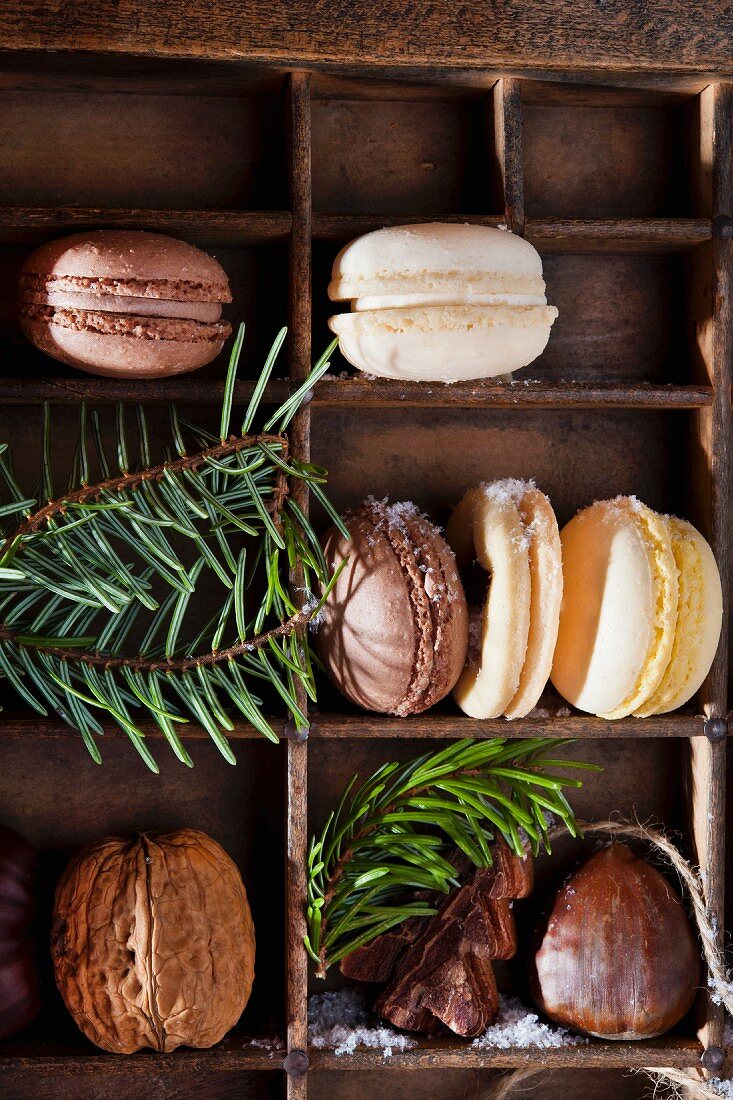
(699, 619)
(641, 613)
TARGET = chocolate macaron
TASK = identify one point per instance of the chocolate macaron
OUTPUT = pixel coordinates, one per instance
(124, 303)
(394, 630)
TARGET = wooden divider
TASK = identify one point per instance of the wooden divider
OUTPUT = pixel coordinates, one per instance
(711, 434)
(296, 1062)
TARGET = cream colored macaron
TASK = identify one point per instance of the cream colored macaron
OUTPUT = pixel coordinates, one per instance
(510, 528)
(619, 609)
(440, 302)
(699, 619)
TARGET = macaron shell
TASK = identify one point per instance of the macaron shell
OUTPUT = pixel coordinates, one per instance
(366, 637)
(394, 630)
(655, 532)
(545, 569)
(491, 677)
(443, 343)
(120, 355)
(433, 256)
(618, 609)
(699, 620)
(109, 256)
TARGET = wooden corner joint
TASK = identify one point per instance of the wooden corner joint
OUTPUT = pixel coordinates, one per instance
(715, 729)
(722, 227)
(713, 1059)
(295, 1063)
(292, 733)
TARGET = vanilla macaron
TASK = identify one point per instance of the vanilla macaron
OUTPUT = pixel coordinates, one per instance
(393, 632)
(641, 612)
(510, 529)
(125, 303)
(440, 302)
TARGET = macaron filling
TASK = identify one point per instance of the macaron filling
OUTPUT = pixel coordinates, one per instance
(400, 301)
(141, 307)
(126, 324)
(179, 299)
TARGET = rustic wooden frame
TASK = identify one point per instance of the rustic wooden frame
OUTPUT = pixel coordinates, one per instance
(707, 402)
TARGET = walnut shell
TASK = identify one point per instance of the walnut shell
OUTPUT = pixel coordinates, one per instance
(153, 942)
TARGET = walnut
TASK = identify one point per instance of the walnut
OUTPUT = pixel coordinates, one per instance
(153, 942)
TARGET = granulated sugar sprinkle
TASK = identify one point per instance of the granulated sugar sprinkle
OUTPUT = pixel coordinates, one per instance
(517, 1027)
(340, 1021)
(508, 490)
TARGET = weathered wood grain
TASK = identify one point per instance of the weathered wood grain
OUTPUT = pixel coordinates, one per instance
(507, 114)
(299, 130)
(712, 348)
(660, 35)
(232, 228)
(450, 1053)
(214, 228)
(366, 393)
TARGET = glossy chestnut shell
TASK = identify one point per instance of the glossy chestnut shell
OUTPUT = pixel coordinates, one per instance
(617, 958)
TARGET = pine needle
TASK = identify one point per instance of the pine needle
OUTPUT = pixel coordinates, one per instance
(82, 574)
(393, 834)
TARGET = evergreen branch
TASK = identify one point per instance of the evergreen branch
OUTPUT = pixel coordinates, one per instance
(100, 586)
(133, 481)
(168, 664)
(392, 835)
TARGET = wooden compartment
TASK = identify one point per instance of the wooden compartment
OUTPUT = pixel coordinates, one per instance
(258, 281)
(420, 151)
(577, 139)
(273, 171)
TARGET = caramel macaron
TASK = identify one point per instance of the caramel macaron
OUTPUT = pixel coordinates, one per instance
(394, 630)
(127, 304)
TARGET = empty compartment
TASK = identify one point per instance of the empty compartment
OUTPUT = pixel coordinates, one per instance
(150, 149)
(421, 152)
(621, 318)
(604, 153)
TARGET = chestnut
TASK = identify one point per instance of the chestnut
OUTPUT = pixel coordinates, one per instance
(617, 958)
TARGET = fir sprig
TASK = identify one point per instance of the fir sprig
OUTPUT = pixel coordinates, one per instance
(392, 835)
(99, 584)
